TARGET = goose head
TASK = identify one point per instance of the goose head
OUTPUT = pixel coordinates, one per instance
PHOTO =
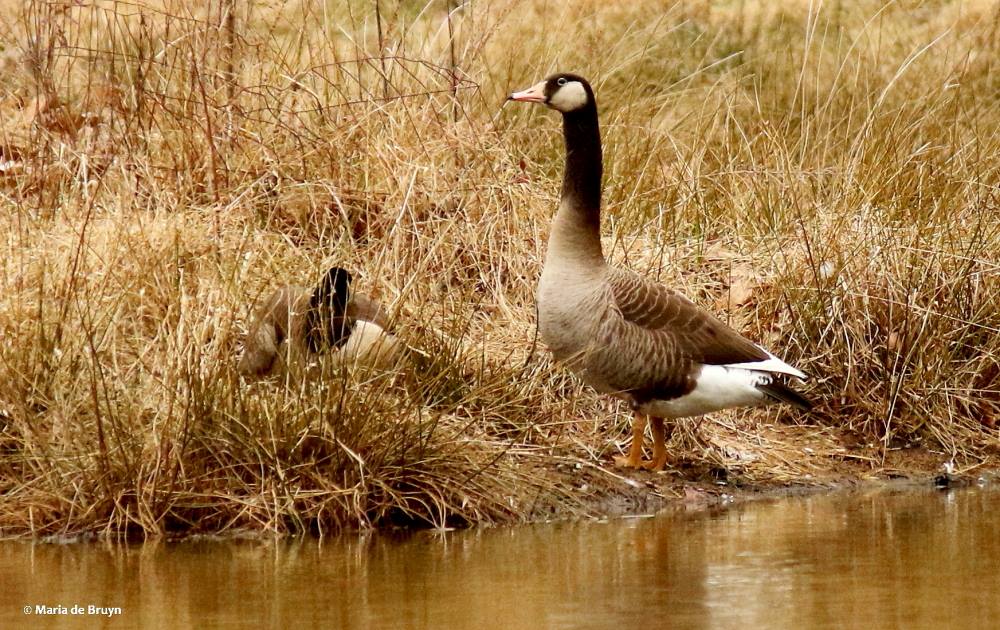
(562, 92)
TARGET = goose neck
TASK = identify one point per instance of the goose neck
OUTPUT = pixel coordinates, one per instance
(578, 221)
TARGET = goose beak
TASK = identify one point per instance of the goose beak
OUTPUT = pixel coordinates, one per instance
(534, 94)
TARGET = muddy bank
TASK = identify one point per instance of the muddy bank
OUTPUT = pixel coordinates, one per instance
(808, 465)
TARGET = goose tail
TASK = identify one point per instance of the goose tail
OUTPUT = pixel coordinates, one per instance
(781, 392)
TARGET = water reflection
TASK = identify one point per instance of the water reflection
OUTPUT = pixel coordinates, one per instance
(907, 559)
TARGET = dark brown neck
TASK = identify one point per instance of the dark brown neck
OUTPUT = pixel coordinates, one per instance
(327, 324)
(584, 166)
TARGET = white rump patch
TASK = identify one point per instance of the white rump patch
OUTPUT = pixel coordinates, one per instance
(724, 386)
(569, 97)
(716, 387)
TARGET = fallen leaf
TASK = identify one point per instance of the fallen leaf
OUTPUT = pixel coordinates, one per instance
(741, 288)
(892, 343)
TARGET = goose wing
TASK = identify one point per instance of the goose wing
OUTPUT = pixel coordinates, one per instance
(693, 331)
(271, 325)
(654, 339)
(363, 308)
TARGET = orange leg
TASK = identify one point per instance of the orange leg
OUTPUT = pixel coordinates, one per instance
(659, 446)
(634, 458)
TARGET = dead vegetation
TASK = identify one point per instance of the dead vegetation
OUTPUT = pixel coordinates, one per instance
(825, 175)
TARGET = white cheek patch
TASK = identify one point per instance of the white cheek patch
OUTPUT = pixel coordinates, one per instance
(569, 97)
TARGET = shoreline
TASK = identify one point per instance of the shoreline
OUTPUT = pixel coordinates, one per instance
(608, 493)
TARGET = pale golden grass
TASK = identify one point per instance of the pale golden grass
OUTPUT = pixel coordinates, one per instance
(824, 175)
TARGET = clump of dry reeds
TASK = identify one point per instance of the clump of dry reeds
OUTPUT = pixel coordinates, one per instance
(825, 176)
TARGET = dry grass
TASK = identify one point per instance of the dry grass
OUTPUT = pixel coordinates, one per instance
(826, 175)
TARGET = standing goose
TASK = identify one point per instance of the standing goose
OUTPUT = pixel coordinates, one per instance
(625, 334)
(312, 321)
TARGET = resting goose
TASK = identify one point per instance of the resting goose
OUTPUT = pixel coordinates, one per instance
(328, 317)
(622, 333)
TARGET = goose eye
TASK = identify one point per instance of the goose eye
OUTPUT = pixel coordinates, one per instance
(561, 81)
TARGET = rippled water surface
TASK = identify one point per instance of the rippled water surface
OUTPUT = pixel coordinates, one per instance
(874, 559)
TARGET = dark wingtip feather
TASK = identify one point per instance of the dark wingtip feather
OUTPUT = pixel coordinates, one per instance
(783, 393)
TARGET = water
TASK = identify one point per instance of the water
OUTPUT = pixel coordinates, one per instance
(875, 559)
